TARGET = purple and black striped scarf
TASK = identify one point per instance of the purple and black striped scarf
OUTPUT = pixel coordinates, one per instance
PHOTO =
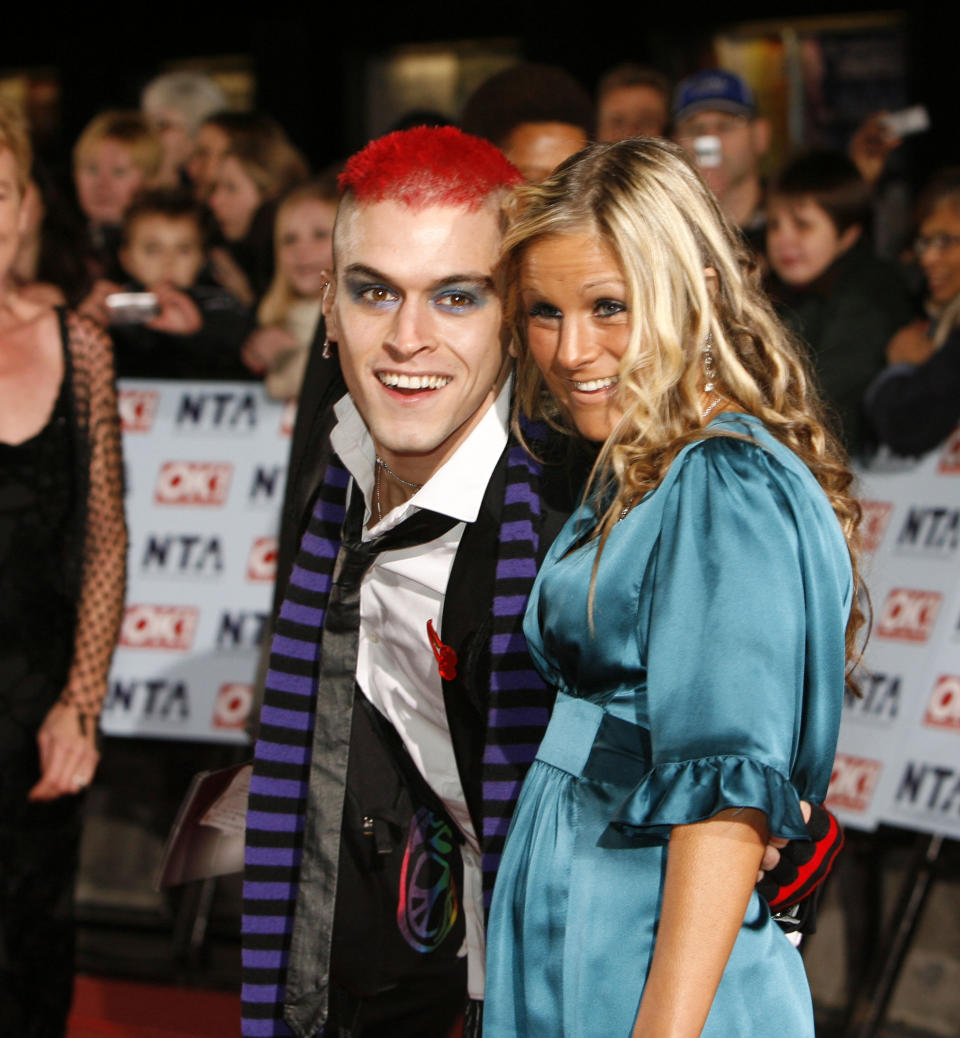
(518, 711)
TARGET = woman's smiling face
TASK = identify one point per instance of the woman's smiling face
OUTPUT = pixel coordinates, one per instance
(577, 325)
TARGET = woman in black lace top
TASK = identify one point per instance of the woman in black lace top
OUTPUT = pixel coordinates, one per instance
(62, 570)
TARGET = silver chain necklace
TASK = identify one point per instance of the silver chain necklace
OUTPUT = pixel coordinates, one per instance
(709, 410)
(382, 465)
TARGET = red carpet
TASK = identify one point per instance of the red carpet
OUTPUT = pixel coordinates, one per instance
(104, 1008)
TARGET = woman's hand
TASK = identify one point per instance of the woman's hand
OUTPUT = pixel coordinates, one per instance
(230, 276)
(870, 146)
(68, 754)
(911, 345)
(263, 347)
(94, 305)
(771, 853)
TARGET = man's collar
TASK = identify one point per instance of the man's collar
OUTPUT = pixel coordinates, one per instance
(456, 488)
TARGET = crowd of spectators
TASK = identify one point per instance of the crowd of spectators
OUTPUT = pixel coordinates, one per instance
(200, 239)
(215, 214)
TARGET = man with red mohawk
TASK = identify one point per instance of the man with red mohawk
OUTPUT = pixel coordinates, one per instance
(401, 710)
(387, 766)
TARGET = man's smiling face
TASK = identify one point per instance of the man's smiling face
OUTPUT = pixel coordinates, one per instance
(418, 325)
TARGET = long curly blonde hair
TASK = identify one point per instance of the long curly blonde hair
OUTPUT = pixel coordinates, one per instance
(688, 275)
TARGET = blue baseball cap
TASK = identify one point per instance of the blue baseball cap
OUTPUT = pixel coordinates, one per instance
(713, 90)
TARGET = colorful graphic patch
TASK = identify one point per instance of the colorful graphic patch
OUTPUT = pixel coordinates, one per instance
(428, 903)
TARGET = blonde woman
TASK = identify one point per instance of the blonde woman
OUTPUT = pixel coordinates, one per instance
(696, 615)
(62, 566)
(115, 157)
(289, 312)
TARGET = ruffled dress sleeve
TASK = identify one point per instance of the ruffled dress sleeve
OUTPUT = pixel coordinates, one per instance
(749, 592)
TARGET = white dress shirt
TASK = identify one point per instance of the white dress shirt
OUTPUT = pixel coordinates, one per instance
(402, 590)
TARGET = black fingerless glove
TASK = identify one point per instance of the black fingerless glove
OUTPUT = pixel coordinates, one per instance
(804, 864)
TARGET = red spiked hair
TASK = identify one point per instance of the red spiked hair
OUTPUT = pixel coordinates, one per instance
(428, 166)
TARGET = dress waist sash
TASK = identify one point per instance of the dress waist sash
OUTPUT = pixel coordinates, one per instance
(587, 742)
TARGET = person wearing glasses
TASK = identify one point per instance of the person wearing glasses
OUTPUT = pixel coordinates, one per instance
(912, 404)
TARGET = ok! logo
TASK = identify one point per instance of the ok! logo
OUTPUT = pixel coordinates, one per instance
(232, 706)
(262, 560)
(943, 707)
(909, 614)
(138, 409)
(852, 782)
(876, 515)
(950, 458)
(158, 627)
(193, 483)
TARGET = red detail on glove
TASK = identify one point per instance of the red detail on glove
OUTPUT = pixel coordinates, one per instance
(827, 837)
(446, 657)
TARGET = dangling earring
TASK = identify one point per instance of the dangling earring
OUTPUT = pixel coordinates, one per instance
(710, 374)
(709, 364)
(327, 353)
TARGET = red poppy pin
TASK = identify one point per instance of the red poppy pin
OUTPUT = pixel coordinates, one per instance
(446, 657)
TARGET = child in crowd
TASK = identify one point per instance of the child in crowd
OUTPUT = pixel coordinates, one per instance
(289, 312)
(200, 327)
(830, 288)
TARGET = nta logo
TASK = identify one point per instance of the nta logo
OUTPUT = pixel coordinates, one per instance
(934, 530)
(193, 554)
(235, 410)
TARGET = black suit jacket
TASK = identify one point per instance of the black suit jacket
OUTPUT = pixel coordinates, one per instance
(468, 604)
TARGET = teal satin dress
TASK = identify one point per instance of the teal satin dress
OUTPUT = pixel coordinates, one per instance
(713, 679)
